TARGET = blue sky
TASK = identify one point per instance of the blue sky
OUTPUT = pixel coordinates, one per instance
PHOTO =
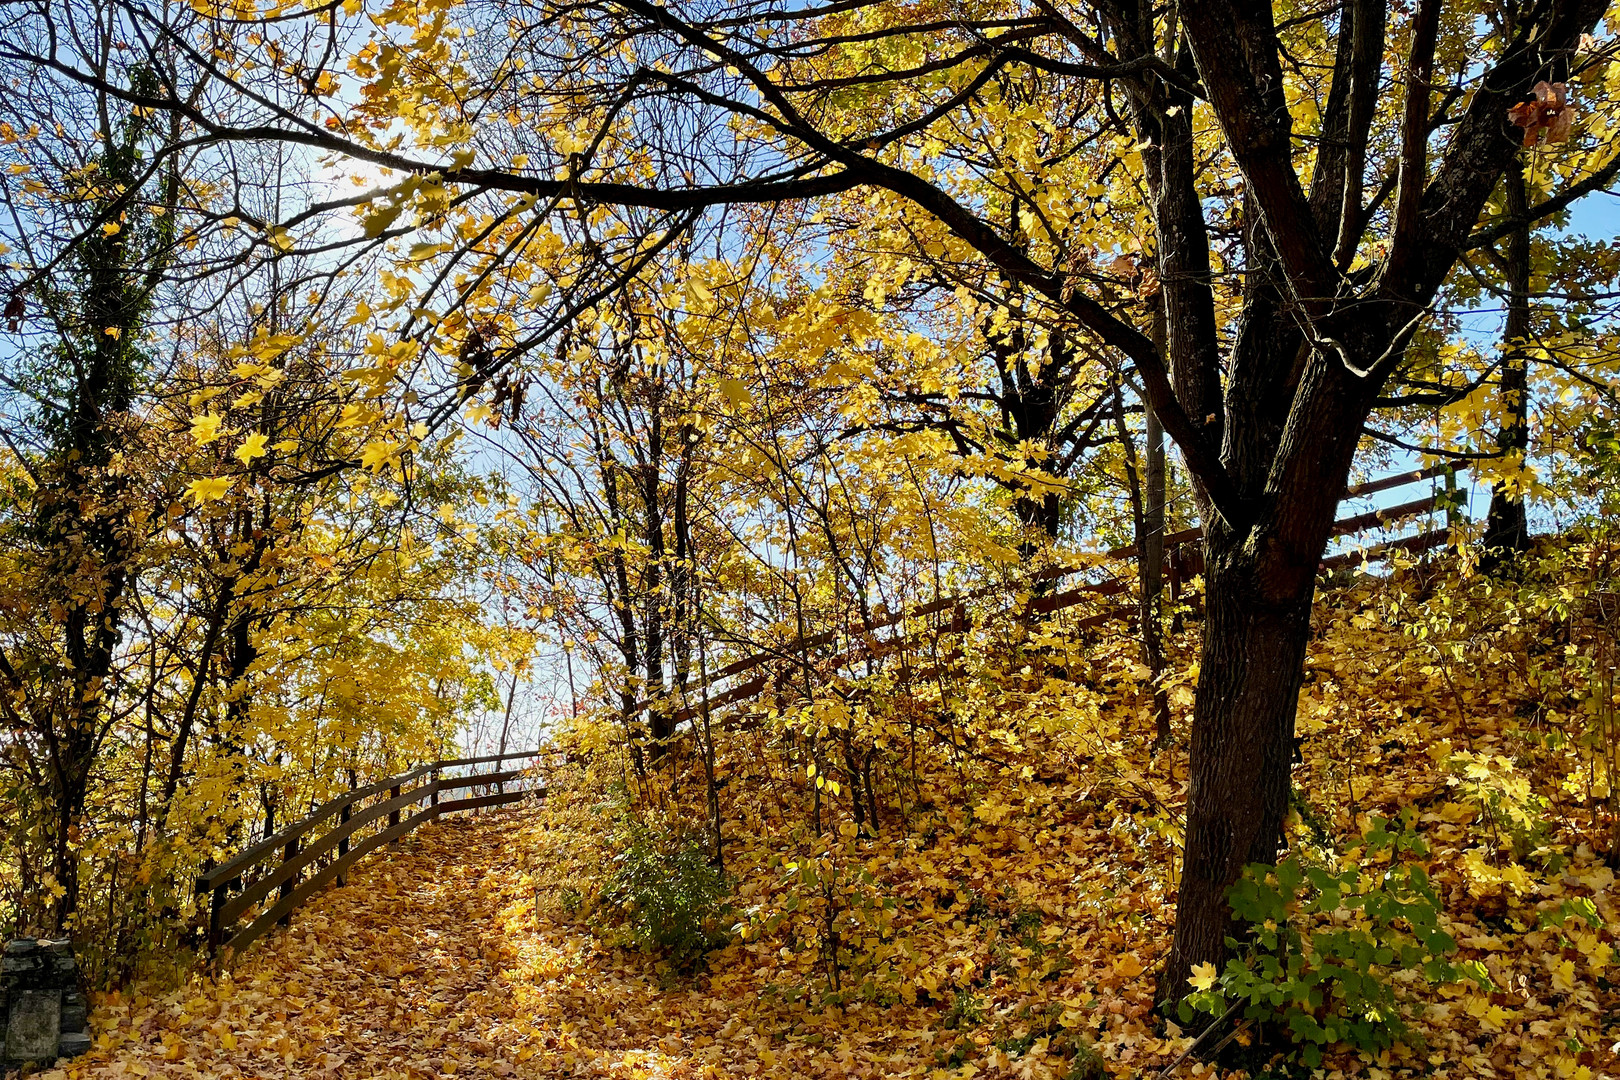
(1596, 217)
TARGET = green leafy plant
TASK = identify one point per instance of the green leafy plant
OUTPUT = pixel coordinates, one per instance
(671, 899)
(1321, 946)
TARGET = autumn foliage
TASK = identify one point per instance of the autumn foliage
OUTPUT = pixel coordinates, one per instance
(1006, 916)
(1035, 540)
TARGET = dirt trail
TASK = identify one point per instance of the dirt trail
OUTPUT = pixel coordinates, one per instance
(432, 963)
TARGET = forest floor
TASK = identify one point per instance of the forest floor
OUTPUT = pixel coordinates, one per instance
(1007, 921)
(412, 970)
(431, 963)
(437, 961)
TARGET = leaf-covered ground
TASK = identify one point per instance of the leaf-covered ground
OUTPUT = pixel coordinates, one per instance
(433, 963)
(1008, 918)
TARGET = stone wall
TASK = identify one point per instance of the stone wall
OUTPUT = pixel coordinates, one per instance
(43, 1011)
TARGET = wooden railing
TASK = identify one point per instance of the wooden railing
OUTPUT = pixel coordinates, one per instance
(295, 863)
(1180, 565)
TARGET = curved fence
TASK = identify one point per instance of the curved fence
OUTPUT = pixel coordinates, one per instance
(267, 882)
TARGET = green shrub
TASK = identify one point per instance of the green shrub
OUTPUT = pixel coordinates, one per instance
(1322, 946)
(671, 900)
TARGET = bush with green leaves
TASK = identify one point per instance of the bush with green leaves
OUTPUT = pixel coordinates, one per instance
(1322, 946)
(672, 900)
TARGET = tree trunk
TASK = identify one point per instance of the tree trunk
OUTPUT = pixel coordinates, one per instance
(1259, 581)
(1150, 557)
(1242, 741)
(73, 785)
(1507, 531)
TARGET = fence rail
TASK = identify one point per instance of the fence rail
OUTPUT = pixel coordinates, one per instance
(1180, 565)
(297, 862)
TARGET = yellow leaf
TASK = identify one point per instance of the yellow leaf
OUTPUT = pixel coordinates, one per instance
(379, 454)
(112, 228)
(378, 221)
(213, 488)
(736, 392)
(205, 429)
(1203, 976)
(252, 447)
(426, 251)
(1128, 966)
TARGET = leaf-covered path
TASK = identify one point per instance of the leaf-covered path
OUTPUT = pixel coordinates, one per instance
(432, 963)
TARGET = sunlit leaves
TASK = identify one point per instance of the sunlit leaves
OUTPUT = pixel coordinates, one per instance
(252, 447)
(209, 489)
(206, 428)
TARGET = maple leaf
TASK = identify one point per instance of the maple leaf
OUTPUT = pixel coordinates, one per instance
(279, 238)
(736, 392)
(252, 447)
(1203, 976)
(205, 428)
(212, 488)
(379, 454)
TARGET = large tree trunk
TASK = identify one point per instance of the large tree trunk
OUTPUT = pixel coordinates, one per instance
(72, 790)
(1259, 582)
(1242, 741)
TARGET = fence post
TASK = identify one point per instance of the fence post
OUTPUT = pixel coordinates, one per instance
(343, 843)
(216, 920)
(434, 778)
(287, 853)
(393, 815)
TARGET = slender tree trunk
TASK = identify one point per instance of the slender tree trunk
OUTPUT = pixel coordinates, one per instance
(1150, 557)
(73, 785)
(506, 726)
(1149, 540)
(1507, 531)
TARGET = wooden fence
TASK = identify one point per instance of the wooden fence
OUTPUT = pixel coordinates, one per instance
(1183, 560)
(275, 876)
(295, 863)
